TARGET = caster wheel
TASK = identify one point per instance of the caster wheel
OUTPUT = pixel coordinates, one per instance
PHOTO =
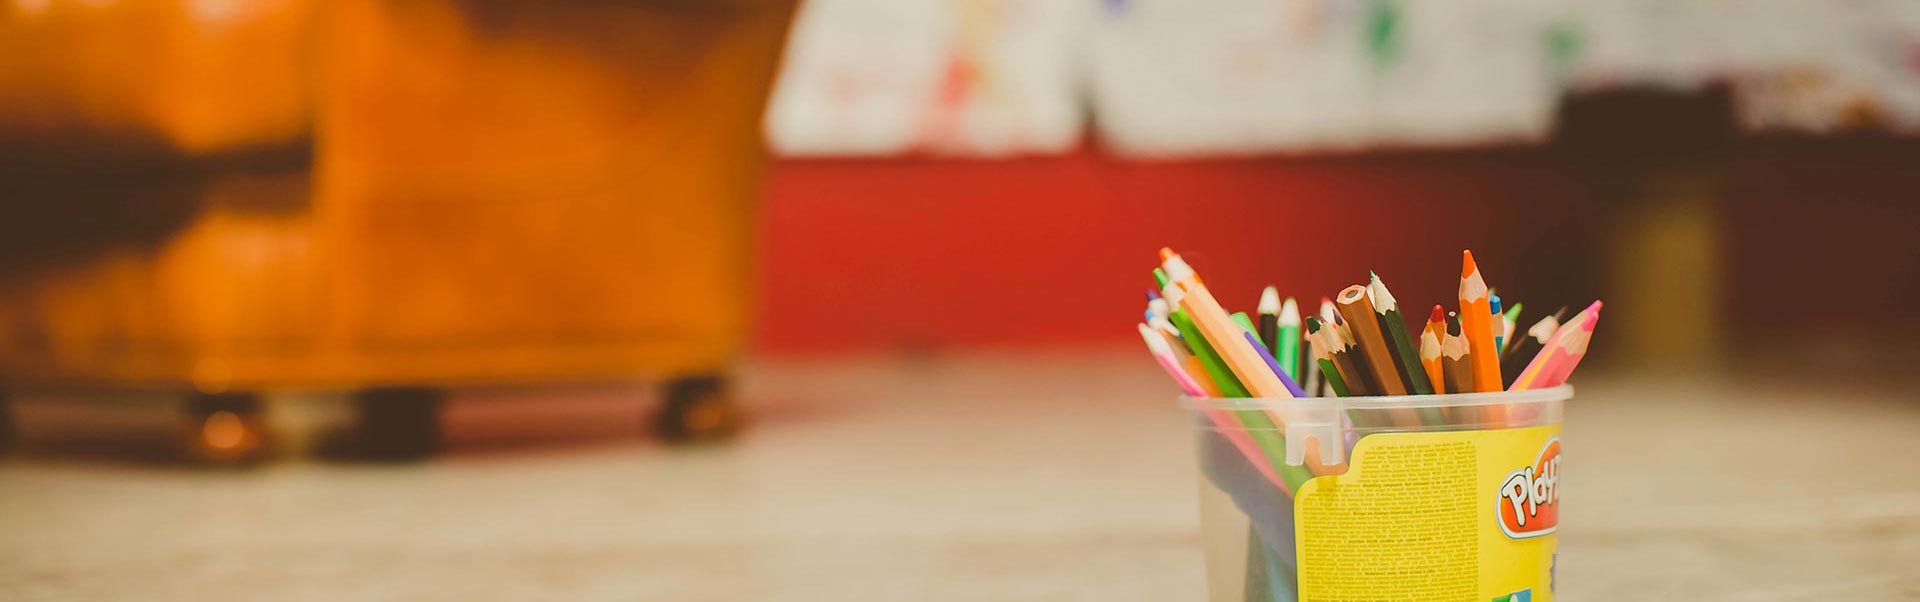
(398, 424)
(698, 409)
(226, 429)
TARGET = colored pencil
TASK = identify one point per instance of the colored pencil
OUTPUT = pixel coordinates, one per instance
(1292, 387)
(1160, 277)
(1528, 344)
(1257, 425)
(1224, 335)
(1437, 324)
(1165, 328)
(1359, 380)
(1188, 361)
(1393, 327)
(1458, 370)
(1572, 349)
(1559, 354)
(1508, 321)
(1371, 345)
(1476, 324)
(1246, 323)
(1339, 354)
(1227, 425)
(1454, 359)
(1260, 347)
(1430, 353)
(1191, 363)
(1499, 332)
(1178, 272)
(1315, 381)
(1322, 362)
(1164, 355)
(1165, 324)
(1216, 368)
(1286, 346)
(1337, 363)
(1328, 315)
(1268, 311)
(1226, 339)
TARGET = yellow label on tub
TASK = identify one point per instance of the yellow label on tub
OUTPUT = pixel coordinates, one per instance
(1444, 516)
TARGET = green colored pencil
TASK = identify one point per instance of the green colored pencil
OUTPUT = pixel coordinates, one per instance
(1240, 317)
(1406, 355)
(1287, 340)
(1323, 344)
(1508, 322)
(1259, 426)
(1209, 360)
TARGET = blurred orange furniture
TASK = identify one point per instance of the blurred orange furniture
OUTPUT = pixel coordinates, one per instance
(497, 191)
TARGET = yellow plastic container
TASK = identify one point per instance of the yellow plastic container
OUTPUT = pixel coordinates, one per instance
(1430, 498)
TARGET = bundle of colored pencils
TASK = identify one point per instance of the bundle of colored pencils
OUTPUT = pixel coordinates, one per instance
(1357, 345)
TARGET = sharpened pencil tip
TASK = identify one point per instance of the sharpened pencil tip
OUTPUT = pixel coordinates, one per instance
(1167, 253)
(1155, 342)
(1383, 300)
(1269, 301)
(1439, 314)
(1467, 266)
(1290, 313)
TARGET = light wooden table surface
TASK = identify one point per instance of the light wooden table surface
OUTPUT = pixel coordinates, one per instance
(980, 477)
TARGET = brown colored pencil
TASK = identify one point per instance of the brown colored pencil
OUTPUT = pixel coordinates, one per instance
(1370, 343)
(1456, 363)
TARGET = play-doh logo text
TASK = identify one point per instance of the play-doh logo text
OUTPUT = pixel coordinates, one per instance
(1528, 502)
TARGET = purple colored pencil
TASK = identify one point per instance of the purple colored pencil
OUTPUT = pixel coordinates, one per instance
(1292, 387)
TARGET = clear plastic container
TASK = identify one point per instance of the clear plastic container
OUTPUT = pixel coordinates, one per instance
(1432, 497)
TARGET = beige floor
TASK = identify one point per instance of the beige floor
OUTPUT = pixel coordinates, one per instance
(1056, 477)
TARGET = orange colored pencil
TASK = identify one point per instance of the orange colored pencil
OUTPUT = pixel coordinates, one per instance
(1229, 340)
(1476, 323)
(1436, 331)
(1191, 364)
(1430, 352)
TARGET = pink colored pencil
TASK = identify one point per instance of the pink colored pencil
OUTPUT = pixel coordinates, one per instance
(1163, 353)
(1561, 355)
(1572, 349)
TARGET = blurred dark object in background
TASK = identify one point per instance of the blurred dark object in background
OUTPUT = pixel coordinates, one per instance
(231, 198)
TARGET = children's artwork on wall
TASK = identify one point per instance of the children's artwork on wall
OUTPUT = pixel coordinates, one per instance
(944, 77)
(1175, 78)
